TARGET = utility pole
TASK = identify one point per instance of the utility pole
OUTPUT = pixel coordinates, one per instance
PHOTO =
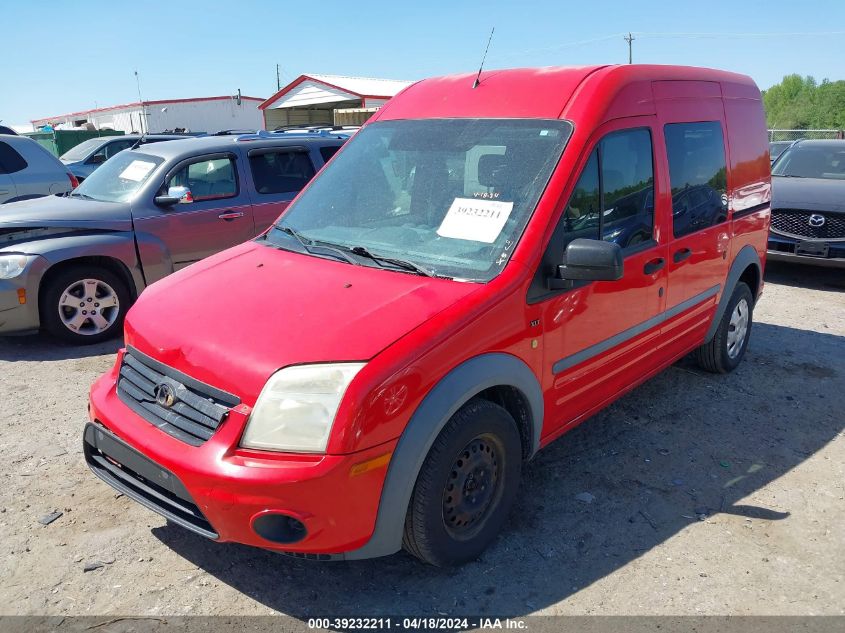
(630, 39)
(278, 79)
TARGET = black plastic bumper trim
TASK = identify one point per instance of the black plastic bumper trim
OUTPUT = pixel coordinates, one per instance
(141, 479)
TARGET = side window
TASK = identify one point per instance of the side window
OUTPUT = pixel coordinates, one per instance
(627, 178)
(207, 179)
(698, 174)
(613, 199)
(118, 146)
(280, 171)
(10, 160)
(328, 151)
(583, 212)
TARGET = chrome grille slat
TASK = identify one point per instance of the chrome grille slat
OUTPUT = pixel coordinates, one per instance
(796, 222)
(195, 415)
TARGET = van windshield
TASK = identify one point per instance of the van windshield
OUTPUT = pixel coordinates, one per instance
(448, 197)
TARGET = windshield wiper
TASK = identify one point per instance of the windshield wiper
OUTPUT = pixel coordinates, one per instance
(399, 263)
(84, 196)
(309, 245)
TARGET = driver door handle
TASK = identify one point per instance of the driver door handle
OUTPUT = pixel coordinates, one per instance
(231, 215)
(654, 265)
(681, 255)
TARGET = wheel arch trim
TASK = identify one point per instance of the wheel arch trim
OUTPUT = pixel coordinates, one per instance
(747, 256)
(453, 391)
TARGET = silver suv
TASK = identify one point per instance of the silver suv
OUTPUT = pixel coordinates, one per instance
(27, 170)
(74, 265)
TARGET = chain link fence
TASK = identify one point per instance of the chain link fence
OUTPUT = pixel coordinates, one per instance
(794, 135)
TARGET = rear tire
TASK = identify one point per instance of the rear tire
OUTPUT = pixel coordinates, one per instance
(466, 486)
(84, 305)
(726, 349)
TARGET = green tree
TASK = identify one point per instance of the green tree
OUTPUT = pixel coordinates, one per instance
(801, 103)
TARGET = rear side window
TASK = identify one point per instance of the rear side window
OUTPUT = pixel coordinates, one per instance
(614, 197)
(328, 151)
(10, 160)
(280, 171)
(118, 146)
(698, 175)
(208, 179)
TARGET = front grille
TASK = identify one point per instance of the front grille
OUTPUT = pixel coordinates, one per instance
(797, 222)
(197, 409)
(141, 479)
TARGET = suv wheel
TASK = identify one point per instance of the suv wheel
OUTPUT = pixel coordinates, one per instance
(84, 304)
(466, 486)
(727, 348)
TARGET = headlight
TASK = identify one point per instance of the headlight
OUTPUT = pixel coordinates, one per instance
(11, 265)
(297, 406)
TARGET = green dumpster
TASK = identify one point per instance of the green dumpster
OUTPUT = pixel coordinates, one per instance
(60, 141)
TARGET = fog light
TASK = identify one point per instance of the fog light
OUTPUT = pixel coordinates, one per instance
(279, 528)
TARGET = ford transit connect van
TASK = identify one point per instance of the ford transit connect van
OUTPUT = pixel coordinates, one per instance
(479, 270)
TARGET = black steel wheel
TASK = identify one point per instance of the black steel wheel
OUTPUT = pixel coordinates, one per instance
(466, 486)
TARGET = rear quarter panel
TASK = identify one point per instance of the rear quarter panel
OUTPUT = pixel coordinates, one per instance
(44, 175)
(749, 173)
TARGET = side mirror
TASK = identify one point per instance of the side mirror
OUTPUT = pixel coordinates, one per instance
(175, 195)
(97, 159)
(589, 260)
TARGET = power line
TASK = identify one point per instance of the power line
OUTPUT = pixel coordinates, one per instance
(723, 35)
(655, 35)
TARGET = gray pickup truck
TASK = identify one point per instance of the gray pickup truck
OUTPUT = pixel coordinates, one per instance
(74, 265)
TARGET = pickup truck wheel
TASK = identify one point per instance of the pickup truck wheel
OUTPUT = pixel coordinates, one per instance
(84, 305)
(727, 348)
(466, 486)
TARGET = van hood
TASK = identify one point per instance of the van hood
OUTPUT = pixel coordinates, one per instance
(237, 317)
(811, 194)
(65, 212)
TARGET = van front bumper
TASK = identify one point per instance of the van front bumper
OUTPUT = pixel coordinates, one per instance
(230, 495)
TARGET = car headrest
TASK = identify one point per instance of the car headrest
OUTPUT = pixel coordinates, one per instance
(491, 170)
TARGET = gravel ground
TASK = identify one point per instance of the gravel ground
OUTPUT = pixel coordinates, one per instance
(707, 495)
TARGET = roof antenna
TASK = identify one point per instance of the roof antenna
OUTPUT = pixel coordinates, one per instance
(478, 76)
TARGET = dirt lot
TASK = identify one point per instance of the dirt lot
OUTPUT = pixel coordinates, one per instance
(711, 495)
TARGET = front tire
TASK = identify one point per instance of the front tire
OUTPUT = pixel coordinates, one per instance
(726, 349)
(466, 486)
(84, 305)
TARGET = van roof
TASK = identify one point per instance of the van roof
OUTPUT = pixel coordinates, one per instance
(548, 92)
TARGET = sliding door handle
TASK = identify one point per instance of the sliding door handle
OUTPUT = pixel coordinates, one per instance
(681, 255)
(654, 265)
(231, 215)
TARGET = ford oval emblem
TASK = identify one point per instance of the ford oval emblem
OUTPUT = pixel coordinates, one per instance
(816, 220)
(165, 396)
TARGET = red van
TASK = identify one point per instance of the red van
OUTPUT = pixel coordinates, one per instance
(480, 269)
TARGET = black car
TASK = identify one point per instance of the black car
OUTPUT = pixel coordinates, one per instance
(776, 148)
(808, 204)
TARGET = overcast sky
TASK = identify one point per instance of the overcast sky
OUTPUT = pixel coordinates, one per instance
(62, 57)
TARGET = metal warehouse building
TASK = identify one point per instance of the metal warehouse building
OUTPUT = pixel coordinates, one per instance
(201, 114)
(328, 100)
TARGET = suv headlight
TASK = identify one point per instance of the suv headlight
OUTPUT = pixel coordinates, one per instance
(296, 408)
(12, 265)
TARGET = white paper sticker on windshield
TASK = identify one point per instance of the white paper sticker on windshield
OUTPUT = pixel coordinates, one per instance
(476, 220)
(137, 170)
